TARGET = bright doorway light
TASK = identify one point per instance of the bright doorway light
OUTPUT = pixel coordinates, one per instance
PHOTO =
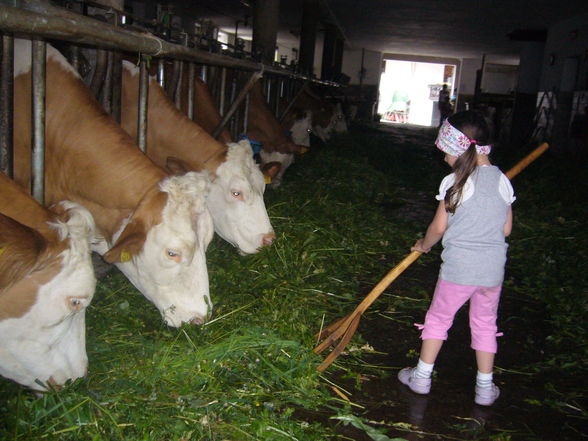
(409, 91)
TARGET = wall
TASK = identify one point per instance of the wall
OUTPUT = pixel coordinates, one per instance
(467, 80)
(566, 53)
(499, 78)
(372, 62)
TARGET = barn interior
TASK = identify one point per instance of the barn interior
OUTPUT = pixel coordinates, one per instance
(345, 212)
(523, 63)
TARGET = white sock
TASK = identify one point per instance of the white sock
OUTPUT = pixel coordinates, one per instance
(423, 370)
(484, 380)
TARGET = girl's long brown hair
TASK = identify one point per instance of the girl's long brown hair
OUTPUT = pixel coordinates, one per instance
(473, 125)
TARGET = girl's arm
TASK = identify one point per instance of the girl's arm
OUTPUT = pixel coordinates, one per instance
(508, 223)
(435, 231)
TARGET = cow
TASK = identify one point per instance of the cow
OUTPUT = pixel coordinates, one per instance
(263, 127)
(154, 227)
(327, 117)
(46, 284)
(235, 199)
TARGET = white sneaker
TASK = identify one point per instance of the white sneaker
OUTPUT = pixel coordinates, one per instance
(486, 396)
(417, 385)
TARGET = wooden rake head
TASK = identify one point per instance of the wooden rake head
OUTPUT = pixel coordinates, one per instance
(345, 327)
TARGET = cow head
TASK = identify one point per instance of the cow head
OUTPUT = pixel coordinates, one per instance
(284, 159)
(43, 302)
(161, 248)
(338, 120)
(236, 201)
(302, 128)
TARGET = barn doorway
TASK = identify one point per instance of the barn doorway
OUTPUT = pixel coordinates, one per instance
(409, 91)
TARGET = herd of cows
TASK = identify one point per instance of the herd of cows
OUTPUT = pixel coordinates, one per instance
(153, 215)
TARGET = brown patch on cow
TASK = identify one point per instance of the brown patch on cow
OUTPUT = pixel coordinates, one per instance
(26, 263)
(262, 125)
(88, 158)
(132, 239)
(169, 131)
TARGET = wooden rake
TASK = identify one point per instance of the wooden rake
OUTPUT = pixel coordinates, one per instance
(345, 327)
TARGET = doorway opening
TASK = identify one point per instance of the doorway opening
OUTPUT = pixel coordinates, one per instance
(409, 91)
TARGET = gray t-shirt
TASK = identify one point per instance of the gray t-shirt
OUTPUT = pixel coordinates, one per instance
(474, 248)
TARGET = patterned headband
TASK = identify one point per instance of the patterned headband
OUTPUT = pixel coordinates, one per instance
(453, 142)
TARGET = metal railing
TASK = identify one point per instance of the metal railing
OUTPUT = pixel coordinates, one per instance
(40, 20)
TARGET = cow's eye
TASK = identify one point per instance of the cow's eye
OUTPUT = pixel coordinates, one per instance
(237, 194)
(75, 303)
(173, 255)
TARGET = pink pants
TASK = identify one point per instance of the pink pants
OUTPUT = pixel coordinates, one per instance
(449, 298)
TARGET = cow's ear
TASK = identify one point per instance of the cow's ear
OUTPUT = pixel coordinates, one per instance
(271, 169)
(128, 244)
(176, 166)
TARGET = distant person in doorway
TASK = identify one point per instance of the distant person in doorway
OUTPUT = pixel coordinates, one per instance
(444, 104)
(473, 218)
(400, 107)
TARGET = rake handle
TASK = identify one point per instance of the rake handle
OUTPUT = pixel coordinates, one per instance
(526, 161)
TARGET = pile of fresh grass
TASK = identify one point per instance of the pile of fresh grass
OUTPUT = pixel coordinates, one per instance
(246, 373)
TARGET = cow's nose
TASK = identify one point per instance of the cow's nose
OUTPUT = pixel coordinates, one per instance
(198, 320)
(54, 384)
(268, 239)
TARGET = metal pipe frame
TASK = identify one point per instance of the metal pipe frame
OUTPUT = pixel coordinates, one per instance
(6, 105)
(44, 20)
(142, 113)
(39, 67)
(191, 79)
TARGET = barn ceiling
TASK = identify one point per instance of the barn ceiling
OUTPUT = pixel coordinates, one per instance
(448, 28)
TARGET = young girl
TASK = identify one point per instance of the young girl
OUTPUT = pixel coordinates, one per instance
(473, 217)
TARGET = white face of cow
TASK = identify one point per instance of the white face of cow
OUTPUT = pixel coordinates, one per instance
(338, 121)
(171, 268)
(48, 343)
(301, 130)
(236, 201)
(285, 159)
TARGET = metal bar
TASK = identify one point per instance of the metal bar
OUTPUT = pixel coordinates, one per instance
(6, 105)
(39, 51)
(161, 72)
(232, 96)
(42, 19)
(279, 95)
(177, 94)
(191, 79)
(142, 113)
(116, 85)
(106, 92)
(246, 114)
(99, 71)
(235, 105)
(223, 85)
(74, 56)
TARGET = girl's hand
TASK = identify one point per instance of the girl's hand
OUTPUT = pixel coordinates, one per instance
(418, 246)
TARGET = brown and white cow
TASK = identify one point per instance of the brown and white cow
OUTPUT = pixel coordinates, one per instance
(327, 117)
(153, 226)
(263, 127)
(46, 283)
(235, 199)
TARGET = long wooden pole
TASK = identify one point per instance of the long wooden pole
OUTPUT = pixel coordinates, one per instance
(345, 327)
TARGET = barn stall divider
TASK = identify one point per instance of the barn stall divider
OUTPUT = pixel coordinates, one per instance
(41, 21)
